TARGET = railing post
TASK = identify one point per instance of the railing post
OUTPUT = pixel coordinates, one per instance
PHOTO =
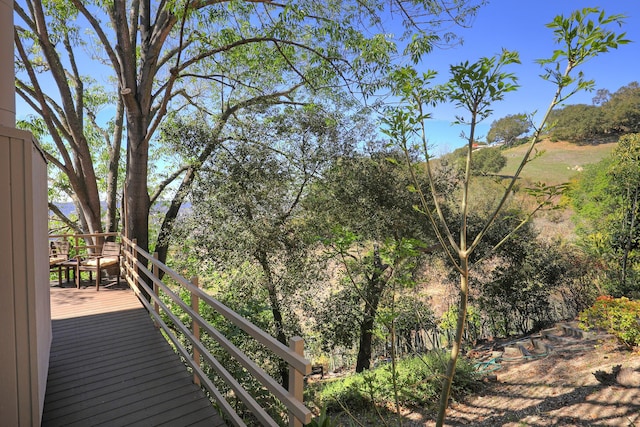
(296, 379)
(134, 265)
(195, 306)
(156, 290)
(76, 249)
(125, 260)
(130, 263)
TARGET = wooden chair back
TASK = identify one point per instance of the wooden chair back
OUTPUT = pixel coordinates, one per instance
(111, 249)
(60, 248)
(109, 259)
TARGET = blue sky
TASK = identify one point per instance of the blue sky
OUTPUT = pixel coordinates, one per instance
(520, 26)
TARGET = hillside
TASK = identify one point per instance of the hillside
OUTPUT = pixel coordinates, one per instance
(558, 162)
(556, 386)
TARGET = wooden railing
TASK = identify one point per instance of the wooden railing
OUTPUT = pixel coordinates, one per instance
(142, 272)
(82, 244)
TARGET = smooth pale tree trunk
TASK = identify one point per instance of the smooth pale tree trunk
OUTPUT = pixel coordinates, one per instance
(457, 344)
(112, 174)
(86, 188)
(77, 162)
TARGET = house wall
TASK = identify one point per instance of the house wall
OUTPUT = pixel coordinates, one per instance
(7, 90)
(25, 314)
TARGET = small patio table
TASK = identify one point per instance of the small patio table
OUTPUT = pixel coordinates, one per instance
(68, 266)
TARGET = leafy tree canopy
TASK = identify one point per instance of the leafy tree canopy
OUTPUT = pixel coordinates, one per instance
(508, 129)
(370, 230)
(485, 160)
(610, 114)
(622, 110)
(606, 199)
(138, 60)
(575, 123)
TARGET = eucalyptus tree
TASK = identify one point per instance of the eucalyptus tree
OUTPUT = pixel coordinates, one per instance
(161, 56)
(473, 88)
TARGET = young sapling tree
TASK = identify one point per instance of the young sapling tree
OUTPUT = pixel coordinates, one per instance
(474, 88)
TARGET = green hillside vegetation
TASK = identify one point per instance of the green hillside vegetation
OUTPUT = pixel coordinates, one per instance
(557, 163)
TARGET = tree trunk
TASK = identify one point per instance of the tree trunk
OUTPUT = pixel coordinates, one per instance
(111, 225)
(162, 243)
(276, 311)
(136, 189)
(88, 199)
(457, 344)
(136, 195)
(375, 286)
(78, 165)
(112, 175)
(366, 340)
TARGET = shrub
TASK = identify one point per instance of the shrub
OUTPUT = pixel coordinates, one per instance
(348, 392)
(419, 382)
(618, 316)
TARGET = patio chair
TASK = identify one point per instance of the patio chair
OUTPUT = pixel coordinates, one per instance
(108, 260)
(58, 257)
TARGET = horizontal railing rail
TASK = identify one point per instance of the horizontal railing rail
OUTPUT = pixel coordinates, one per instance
(91, 242)
(141, 271)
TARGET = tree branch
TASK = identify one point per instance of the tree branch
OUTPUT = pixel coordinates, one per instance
(168, 180)
(37, 94)
(79, 87)
(71, 224)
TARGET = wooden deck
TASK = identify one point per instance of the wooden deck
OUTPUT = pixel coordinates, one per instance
(110, 366)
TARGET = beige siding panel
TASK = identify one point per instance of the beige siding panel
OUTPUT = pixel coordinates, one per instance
(24, 293)
(41, 297)
(8, 359)
(20, 194)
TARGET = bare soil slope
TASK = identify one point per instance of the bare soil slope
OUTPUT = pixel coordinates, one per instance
(556, 386)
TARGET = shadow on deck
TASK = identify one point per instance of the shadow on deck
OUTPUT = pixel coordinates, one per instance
(110, 366)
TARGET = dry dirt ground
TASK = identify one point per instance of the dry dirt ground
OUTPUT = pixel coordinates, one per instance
(545, 379)
(554, 388)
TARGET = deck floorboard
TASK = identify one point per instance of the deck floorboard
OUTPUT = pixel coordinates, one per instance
(110, 366)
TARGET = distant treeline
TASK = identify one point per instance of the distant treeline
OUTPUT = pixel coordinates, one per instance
(610, 114)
